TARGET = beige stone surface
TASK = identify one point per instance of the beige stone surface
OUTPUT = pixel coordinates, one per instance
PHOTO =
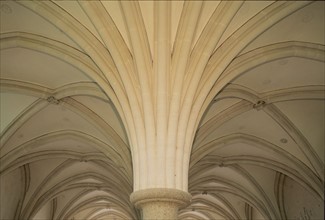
(221, 99)
(160, 203)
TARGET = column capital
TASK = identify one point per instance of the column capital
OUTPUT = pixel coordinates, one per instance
(160, 203)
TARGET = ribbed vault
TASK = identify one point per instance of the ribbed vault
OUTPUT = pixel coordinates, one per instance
(221, 99)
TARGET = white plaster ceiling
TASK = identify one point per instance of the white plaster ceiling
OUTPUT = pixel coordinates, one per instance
(259, 146)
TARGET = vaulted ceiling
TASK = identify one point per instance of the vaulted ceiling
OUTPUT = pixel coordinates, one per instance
(258, 149)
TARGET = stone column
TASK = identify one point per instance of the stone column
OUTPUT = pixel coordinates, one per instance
(160, 203)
